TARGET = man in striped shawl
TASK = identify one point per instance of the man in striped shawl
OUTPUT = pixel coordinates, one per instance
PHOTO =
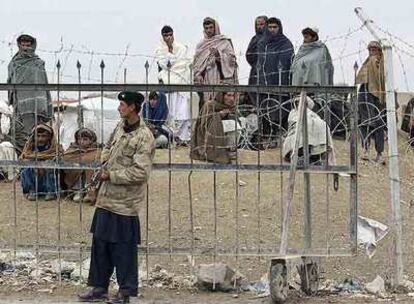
(84, 149)
(214, 60)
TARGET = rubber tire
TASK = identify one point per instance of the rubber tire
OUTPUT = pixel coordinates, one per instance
(313, 277)
(278, 284)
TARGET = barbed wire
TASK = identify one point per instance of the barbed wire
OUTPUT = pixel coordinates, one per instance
(407, 44)
(341, 53)
(122, 61)
(402, 67)
(346, 35)
(73, 49)
(322, 62)
(126, 54)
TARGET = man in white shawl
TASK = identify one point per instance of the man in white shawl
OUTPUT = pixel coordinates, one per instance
(319, 136)
(214, 60)
(312, 64)
(173, 68)
(7, 150)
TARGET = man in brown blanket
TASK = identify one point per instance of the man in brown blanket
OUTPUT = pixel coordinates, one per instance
(40, 146)
(85, 149)
(214, 59)
(210, 141)
(371, 102)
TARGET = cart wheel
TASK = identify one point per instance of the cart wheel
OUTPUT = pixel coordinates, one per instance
(310, 278)
(278, 283)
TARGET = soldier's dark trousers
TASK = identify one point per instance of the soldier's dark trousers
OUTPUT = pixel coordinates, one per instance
(107, 256)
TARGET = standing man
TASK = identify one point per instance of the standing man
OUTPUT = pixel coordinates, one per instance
(275, 58)
(32, 107)
(252, 53)
(127, 160)
(312, 64)
(214, 60)
(173, 68)
(371, 102)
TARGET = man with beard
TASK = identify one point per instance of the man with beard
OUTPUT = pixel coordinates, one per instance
(215, 134)
(41, 146)
(32, 107)
(214, 60)
(274, 61)
(173, 68)
(372, 110)
(251, 54)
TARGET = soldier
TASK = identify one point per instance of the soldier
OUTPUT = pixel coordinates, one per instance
(115, 226)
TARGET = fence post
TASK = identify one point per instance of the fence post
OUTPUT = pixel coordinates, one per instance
(80, 110)
(102, 67)
(394, 173)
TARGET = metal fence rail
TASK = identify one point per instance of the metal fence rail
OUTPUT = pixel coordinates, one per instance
(183, 226)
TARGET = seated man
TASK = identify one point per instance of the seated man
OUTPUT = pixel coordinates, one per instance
(7, 150)
(155, 113)
(407, 124)
(40, 146)
(216, 133)
(319, 137)
(85, 149)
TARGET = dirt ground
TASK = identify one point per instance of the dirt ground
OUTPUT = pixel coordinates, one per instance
(239, 230)
(151, 296)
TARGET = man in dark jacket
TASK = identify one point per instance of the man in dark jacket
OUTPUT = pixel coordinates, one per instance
(128, 159)
(275, 58)
(252, 53)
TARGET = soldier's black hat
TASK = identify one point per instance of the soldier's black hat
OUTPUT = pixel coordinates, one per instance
(130, 97)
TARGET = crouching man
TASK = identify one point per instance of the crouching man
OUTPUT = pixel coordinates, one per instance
(84, 149)
(40, 146)
(115, 226)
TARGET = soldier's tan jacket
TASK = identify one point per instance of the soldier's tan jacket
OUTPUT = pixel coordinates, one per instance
(128, 158)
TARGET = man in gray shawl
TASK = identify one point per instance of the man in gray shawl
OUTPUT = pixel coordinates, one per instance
(312, 64)
(31, 107)
(214, 59)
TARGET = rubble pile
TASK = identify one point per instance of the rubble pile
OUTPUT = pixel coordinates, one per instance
(23, 272)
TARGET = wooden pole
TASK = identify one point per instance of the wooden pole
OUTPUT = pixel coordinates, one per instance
(394, 172)
(307, 218)
(287, 207)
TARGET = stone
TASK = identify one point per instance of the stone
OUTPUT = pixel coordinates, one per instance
(65, 268)
(406, 285)
(376, 287)
(215, 277)
(76, 274)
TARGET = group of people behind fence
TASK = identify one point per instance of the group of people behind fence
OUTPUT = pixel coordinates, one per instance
(164, 121)
(42, 145)
(216, 132)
